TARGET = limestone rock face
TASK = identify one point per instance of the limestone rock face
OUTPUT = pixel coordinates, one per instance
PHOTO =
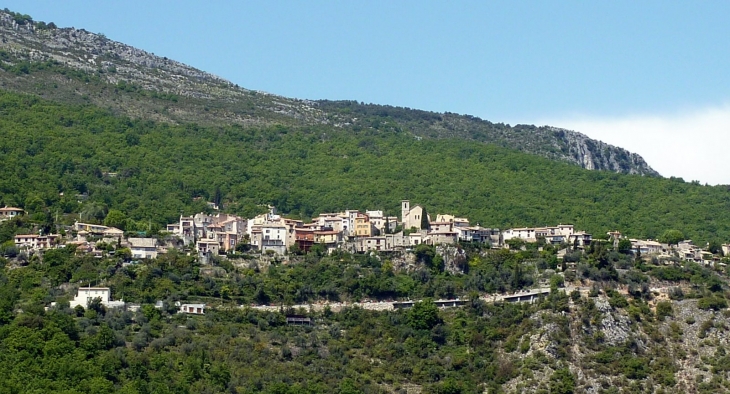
(597, 155)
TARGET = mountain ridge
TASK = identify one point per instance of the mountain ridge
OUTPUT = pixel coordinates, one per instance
(157, 88)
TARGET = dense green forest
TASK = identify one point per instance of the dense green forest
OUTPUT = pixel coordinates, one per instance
(153, 171)
(481, 346)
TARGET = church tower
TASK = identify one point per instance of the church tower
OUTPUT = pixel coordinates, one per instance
(405, 210)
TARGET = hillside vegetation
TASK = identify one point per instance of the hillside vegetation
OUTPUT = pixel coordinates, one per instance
(71, 65)
(626, 326)
(153, 171)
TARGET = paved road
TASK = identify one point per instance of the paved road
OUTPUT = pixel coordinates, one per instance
(388, 305)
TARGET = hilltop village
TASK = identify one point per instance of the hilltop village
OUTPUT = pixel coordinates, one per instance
(217, 235)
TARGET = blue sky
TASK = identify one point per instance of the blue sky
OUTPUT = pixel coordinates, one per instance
(648, 76)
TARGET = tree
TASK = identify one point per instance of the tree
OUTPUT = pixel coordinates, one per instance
(424, 315)
(624, 246)
(93, 211)
(115, 218)
(34, 204)
(425, 225)
(715, 247)
(96, 305)
(105, 338)
(427, 255)
(515, 243)
(556, 281)
(123, 253)
(672, 237)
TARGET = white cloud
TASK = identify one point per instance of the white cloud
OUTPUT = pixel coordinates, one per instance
(691, 145)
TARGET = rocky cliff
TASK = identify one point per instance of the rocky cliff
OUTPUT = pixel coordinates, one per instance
(554, 143)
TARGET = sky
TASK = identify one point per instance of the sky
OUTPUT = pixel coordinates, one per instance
(649, 76)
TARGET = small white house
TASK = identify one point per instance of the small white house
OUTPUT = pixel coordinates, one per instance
(194, 309)
(8, 213)
(86, 294)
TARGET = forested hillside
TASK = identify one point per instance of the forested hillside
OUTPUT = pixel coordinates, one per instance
(153, 171)
(69, 65)
(625, 325)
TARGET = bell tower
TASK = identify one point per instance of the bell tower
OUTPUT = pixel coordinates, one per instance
(405, 210)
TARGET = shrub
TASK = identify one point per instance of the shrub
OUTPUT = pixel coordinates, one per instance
(618, 301)
(676, 293)
(663, 309)
(562, 382)
(712, 302)
(635, 368)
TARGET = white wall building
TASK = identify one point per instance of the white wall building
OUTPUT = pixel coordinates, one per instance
(273, 237)
(8, 213)
(194, 309)
(35, 242)
(86, 294)
(143, 248)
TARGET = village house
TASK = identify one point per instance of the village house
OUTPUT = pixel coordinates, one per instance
(442, 226)
(386, 243)
(95, 229)
(725, 249)
(443, 233)
(331, 222)
(207, 248)
(552, 235)
(113, 235)
(524, 233)
(443, 238)
(304, 238)
(581, 239)
(479, 234)
(291, 226)
(184, 228)
(255, 237)
(688, 251)
(8, 213)
(363, 227)
(86, 294)
(348, 219)
(192, 309)
(457, 222)
(329, 238)
(273, 237)
(378, 244)
(226, 230)
(397, 241)
(416, 238)
(143, 248)
(647, 247)
(35, 242)
(383, 224)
